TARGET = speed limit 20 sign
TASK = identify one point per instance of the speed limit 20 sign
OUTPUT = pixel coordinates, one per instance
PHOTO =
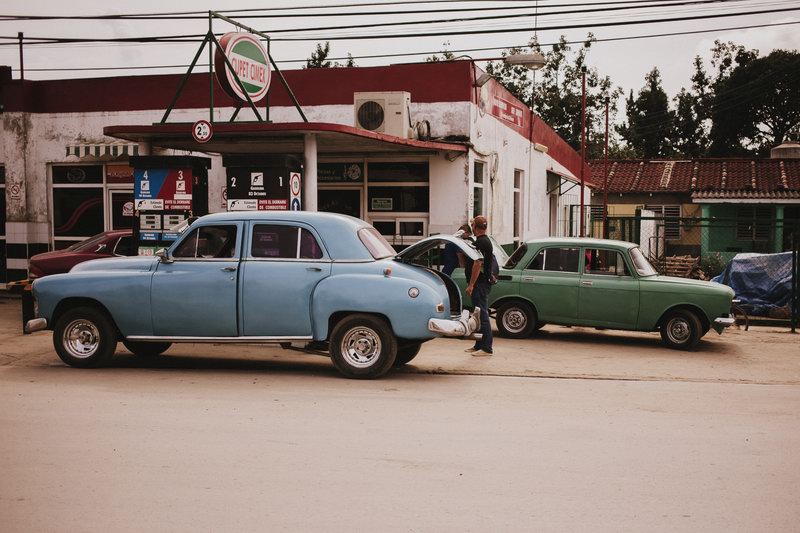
(201, 131)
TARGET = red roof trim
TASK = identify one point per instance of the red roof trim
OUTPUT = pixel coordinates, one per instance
(139, 132)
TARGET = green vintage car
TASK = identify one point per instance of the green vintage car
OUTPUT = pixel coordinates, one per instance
(603, 284)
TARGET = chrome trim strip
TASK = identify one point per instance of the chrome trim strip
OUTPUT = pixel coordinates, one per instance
(265, 340)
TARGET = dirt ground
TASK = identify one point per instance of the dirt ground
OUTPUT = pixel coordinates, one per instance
(760, 355)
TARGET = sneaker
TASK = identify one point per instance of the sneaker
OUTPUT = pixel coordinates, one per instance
(472, 349)
(481, 353)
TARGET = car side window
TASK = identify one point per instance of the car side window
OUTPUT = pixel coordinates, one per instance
(604, 262)
(284, 242)
(208, 242)
(556, 259)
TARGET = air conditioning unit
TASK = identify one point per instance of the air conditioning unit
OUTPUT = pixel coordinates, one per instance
(385, 112)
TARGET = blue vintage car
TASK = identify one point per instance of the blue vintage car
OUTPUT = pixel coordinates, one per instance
(317, 279)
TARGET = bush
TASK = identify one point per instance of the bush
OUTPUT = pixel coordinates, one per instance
(712, 265)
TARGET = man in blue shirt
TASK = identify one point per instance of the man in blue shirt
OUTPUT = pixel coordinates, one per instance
(451, 255)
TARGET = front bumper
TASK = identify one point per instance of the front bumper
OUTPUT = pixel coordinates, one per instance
(722, 322)
(467, 324)
(37, 324)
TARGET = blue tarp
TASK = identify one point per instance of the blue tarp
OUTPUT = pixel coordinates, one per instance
(761, 281)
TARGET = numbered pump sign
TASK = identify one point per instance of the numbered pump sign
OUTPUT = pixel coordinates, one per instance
(167, 190)
(263, 183)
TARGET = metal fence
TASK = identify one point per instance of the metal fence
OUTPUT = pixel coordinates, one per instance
(701, 248)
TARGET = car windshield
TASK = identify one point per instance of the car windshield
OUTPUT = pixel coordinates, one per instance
(181, 227)
(517, 256)
(643, 266)
(375, 243)
(89, 245)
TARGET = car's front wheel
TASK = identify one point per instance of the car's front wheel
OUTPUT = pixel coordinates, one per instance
(681, 329)
(516, 320)
(146, 349)
(84, 337)
(363, 347)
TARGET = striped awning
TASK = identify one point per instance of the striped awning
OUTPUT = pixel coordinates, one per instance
(107, 149)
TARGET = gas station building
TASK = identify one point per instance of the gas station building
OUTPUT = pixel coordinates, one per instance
(414, 149)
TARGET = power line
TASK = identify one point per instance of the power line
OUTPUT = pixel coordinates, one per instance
(459, 51)
(270, 13)
(197, 37)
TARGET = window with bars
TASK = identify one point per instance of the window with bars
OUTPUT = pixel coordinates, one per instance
(672, 219)
(753, 223)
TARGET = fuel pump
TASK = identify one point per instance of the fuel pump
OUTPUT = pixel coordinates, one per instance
(263, 183)
(167, 190)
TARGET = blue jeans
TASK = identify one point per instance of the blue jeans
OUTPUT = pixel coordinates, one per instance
(480, 298)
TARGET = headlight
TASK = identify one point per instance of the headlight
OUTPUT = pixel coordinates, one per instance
(413, 292)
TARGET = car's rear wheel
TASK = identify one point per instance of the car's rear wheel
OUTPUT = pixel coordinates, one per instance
(363, 347)
(515, 319)
(84, 337)
(681, 329)
(146, 349)
(406, 353)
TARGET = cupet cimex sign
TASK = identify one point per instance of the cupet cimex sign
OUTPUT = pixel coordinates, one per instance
(250, 63)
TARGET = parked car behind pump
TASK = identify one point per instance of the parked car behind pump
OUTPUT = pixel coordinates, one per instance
(604, 284)
(115, 243)
(270, 277)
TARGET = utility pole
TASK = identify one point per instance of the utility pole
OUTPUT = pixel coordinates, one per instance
(605, 178)
(21, 61)
(583, 149)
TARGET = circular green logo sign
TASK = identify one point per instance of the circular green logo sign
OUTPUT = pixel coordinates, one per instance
(250, 64)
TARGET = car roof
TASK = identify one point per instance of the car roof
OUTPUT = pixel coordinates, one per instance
(339, 233)
(581, 241)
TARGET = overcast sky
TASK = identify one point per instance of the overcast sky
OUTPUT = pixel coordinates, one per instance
(626, 62)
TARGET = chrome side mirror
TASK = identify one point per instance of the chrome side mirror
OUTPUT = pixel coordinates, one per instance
(163, 256)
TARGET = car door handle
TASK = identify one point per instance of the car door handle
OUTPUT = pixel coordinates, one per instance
(586, 283)
(314, 269)
(228, 269)
(528, 278)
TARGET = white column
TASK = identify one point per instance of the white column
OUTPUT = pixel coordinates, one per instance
(310, 173)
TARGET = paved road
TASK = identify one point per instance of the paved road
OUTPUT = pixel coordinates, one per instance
(254, 439)
(128, 449)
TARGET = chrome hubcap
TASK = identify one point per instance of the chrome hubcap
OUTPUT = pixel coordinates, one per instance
(361, 347)
(678, 330)
(81, 339)
(514, 320)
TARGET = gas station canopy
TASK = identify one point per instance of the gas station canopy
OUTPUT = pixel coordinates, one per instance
(278, 138)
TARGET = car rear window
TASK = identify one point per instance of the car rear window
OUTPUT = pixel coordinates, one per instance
(378, 247)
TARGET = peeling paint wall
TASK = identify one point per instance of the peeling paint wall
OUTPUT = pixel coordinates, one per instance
(31, 143)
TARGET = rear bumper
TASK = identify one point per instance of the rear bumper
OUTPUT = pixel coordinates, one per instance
(720, 323)
(467, 324)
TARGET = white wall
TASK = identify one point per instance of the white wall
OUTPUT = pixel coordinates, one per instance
(29, 142)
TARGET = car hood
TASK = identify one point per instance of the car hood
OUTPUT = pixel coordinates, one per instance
(685, 281)
(52, 255)
(140, 263)
(428, 243)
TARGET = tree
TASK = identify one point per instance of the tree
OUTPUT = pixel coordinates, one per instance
(650, 126)
(319, 58)
(693, 114)
(557, 97)
(447, 55)
(756, 104)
